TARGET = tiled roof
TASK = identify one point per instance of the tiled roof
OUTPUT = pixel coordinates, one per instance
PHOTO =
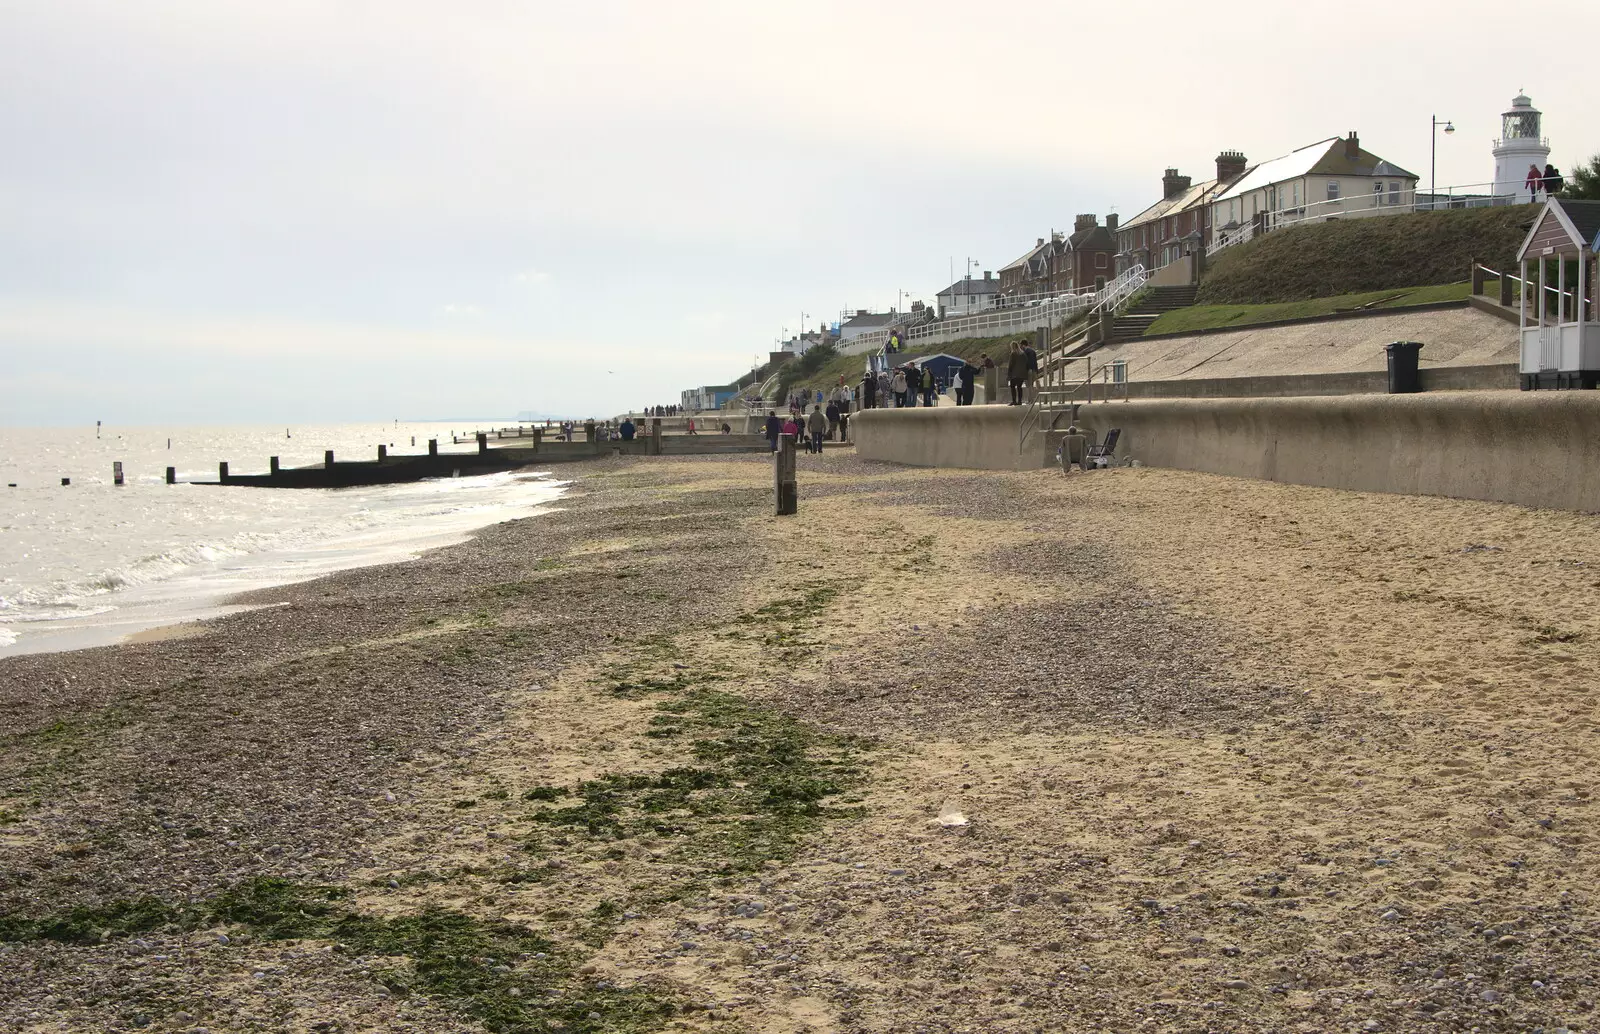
(874, 319)
(1323, 158)
(1585, 215)
(968, 285)
(1196, 195)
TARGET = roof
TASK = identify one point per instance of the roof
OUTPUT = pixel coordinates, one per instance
(1580, 220)
(1323, 158)
(1095, 238)
(968, 285)
(873, 319)
(1180, 202)
(1032, 255)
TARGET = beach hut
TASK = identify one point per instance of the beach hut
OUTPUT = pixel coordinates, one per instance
(1559, 334)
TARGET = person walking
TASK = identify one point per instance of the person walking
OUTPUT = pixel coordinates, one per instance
(791, 431)
(885, 388)
(817, 424)
(1534, 181)
(833, 420)
(898, 384)
(1033, 367)
(774, 427)
(1016, 372)
(969, 383)
(869, 392)
(927, 385)
(1553, 181)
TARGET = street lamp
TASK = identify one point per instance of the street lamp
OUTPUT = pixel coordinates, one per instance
(1433, 159)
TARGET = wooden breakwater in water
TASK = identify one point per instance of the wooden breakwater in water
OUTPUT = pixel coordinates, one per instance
(534, 450)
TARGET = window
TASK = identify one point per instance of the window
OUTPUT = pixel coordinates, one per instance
(1394, 193)
(1296, 194)
(1100, 261)
(1377, 194)
(1333, 190)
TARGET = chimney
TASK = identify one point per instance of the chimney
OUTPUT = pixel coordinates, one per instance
(1230, 166)
(1352, 146)
(988, 274)
(1111, 222)
(1039, 243)
(861, 312)
(1085, 222)
(1172, 183)
(1055, 236)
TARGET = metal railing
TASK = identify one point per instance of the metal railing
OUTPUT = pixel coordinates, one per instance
(1119, 291)
(1360, 205)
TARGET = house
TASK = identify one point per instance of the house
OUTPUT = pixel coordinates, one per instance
(967, 296)
(800, 343)
(1329, 179)
(1084, 260)
(1560, 338)
(1029, 276)
(864, 322)
(1173, 230)
(712, 396)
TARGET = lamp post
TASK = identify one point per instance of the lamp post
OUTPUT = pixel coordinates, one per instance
(1433, 159)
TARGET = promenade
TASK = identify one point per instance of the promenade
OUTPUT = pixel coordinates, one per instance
(948, 751)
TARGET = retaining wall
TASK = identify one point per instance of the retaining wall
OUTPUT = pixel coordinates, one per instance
(1530, 448)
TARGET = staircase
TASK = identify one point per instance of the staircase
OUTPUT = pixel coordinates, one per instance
(1151, 304)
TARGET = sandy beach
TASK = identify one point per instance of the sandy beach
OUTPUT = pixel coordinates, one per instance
(1139, 750)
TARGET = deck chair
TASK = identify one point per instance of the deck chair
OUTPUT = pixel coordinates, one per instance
(1101, 455)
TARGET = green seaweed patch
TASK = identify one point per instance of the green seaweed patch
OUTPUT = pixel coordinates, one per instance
(511, 979)
(761, 782)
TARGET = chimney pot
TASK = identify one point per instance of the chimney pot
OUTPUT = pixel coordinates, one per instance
(1230, 166)
(1084, 222)
(988, 274)
(861, 312)
(1111, 222)
(1040, 243)
(1172, 183)
(1352, 146)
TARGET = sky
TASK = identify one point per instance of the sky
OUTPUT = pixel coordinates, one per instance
(242, 212)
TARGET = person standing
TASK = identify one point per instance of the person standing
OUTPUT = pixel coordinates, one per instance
(627, 429)
(774, 427)
(885, 388)
(869, 391)
(817, 424)
(898, 384)
(833, 420)
(1016, 372)
(927, 385)
(1033, 367)
(791, 431)
(1553, 182)
(1534, 181)
(969, 383)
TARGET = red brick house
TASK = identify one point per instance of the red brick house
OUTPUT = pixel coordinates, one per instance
(1178, 224)
(1029, 276)
(1086, 259)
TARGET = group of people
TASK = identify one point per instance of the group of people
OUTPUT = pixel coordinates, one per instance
(821, 424)
(903, 386)
(1550, 181)
(662, 410)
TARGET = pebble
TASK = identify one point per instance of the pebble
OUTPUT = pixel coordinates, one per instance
(1490, 996)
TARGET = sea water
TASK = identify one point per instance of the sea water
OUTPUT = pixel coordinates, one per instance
(89, 563)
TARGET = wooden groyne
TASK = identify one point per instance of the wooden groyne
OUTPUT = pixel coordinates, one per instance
(531, 450)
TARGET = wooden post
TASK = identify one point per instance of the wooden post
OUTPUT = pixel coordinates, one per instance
(788, 492)
(1477, 279)
(66, 481)
(538, 438)
(483, 443)
(655, 436)
(272, 462)
(327, 459)
(433, 446)
(1506, 287)
(383, 453)
(172, 475)
(222, 472)
(116, 473)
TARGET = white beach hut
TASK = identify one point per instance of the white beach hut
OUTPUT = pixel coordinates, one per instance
(1560, 335)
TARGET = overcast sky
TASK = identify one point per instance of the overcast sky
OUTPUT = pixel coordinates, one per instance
(217, 211)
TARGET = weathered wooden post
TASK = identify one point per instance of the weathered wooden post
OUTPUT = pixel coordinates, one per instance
(588, 431)
(66, 481)
(222, 472)
(1507, 289)
(172, 475)
(116, 473)
(327, 459)
(538, 438)
(433, 446)
(788, 493)
(483, 443)
(1477, 278)
(655, 436)
(272, 465)
(383, 453)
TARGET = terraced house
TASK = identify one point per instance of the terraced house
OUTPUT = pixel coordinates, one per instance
(1084, 261)
(1173, 231)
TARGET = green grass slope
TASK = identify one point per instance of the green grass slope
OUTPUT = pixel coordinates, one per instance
(1351, 256)
(1209, 317)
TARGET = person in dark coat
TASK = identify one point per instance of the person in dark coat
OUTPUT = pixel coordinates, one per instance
(869, 392)
(773, 427)
(833, 421)
(929, 386)
(970, 373)
(1553, 183)
(1017, 372)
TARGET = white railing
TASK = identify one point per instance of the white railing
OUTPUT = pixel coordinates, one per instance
(1118, 291)
(1227, 238)
(1362, 205)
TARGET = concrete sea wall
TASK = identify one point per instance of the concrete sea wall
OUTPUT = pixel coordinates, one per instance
(1531, 448)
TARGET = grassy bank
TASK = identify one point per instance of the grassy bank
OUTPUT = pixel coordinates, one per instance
(852, 366)
(1211, 317)
(1350, 256)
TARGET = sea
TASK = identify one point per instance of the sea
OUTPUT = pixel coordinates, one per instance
(91, 563)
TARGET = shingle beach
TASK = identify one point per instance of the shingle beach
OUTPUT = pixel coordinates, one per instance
(1137, 750)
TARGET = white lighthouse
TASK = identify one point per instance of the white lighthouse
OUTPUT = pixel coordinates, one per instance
(1519, 147)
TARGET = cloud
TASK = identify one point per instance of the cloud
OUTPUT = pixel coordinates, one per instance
(532, 276)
